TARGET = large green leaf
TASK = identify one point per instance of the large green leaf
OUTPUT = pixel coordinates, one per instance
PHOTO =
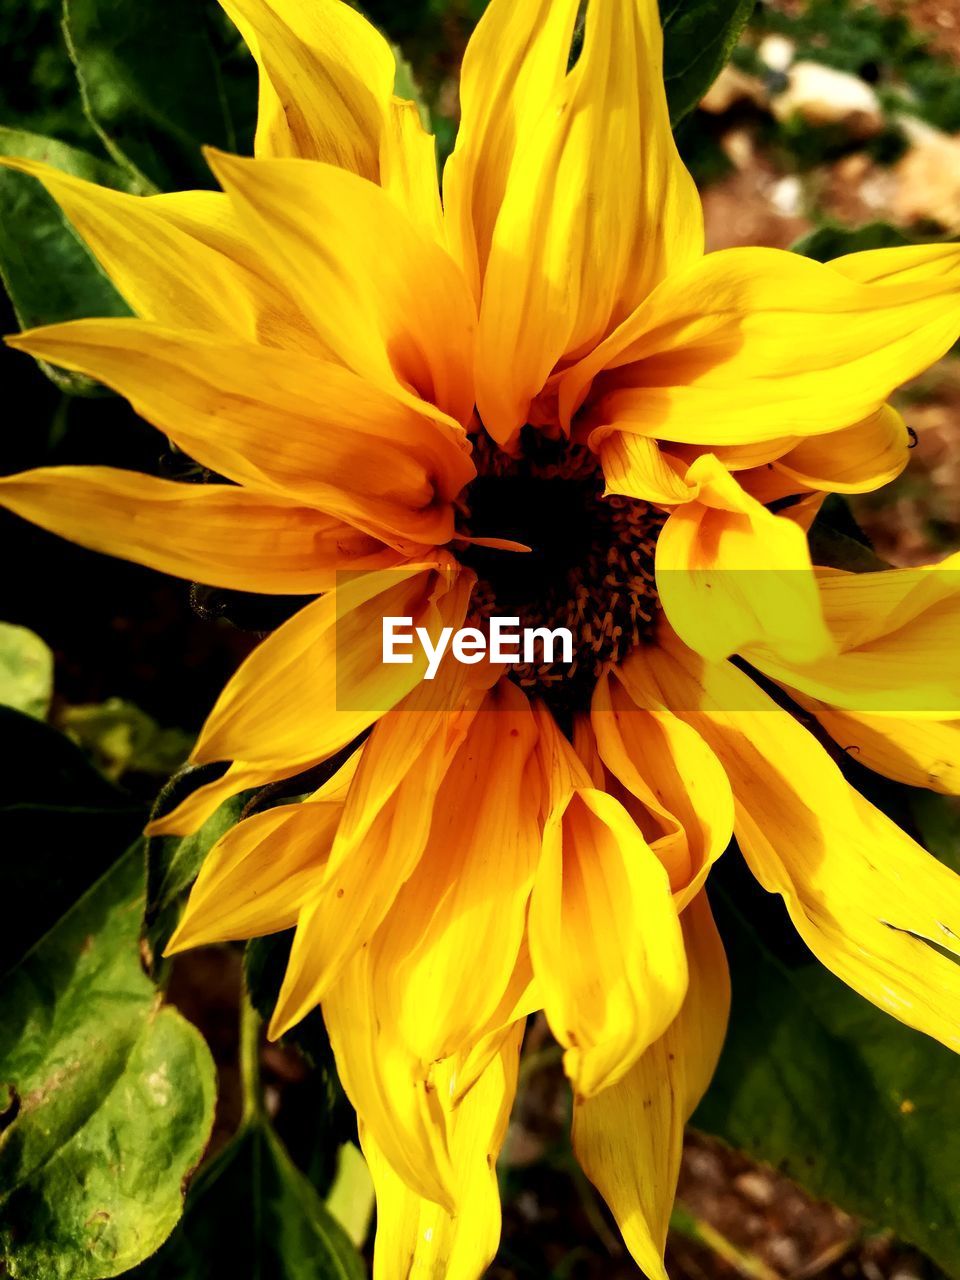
(159, 81)
(851, 1104)
(252, 1213)
(698, 36)
(45, 269)
(111, 1095)
(26, 671)
(61, 826)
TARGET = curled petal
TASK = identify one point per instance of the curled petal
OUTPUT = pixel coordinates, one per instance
(732, 575)
(604, 936)
(672, 784)
(856, 459)
(629, 1137)
(326, 80)
(416, 1237)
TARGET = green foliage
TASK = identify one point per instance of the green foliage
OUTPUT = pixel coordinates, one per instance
(111, 1095)
(26, 671)
(851, 1104)
(38, 88)
(252, 1213)
(47, 272)
(264, 964)
(160, 80)
(828, 242)
(61, 826)
(698, 37)
(173, 863)
(123, 739)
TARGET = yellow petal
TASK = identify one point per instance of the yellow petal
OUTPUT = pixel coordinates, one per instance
(604, 938)
(326, 79)
(319, 680)
(193, 811)
(562, 274)
(514, 62)
(256, 877)
(856, 459)
(180, 259)
(402, 313)
(752, 344)
(418, 1240)
(629, 1137)
(682, 801)
(521, 998)
(865, 898)
(906, 264)
(921, 753)
(386, 823)
(447, 952)
(899, 641)
(862, 607)
(732, 575)
(217, 534)
(637, 467)
(396, 1103)
(408, 167)
(279, 420)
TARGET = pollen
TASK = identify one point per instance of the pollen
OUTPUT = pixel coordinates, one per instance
(590, 568)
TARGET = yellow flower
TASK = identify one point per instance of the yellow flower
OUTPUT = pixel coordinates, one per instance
(414, 393)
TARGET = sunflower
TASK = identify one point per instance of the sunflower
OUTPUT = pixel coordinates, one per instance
(536, 398)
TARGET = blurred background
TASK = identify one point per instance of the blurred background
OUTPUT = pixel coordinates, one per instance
(833, 116)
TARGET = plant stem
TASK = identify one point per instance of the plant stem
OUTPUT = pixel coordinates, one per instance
(250, 1060)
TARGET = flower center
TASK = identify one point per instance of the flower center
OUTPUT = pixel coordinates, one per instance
(590, 568)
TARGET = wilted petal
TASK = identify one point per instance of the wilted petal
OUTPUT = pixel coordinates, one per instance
(629, 1137)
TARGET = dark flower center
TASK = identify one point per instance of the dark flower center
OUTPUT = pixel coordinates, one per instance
(590, 568)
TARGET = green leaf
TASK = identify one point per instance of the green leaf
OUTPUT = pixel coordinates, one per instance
(112, 1095)
(698, 38)
(853, 1105)
(154, 86)
(61, 826)
(252, 1213)
(173, 863)
(828, 242)
(264, 964)
(123, 739)
(46, 270)
(26, 671)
